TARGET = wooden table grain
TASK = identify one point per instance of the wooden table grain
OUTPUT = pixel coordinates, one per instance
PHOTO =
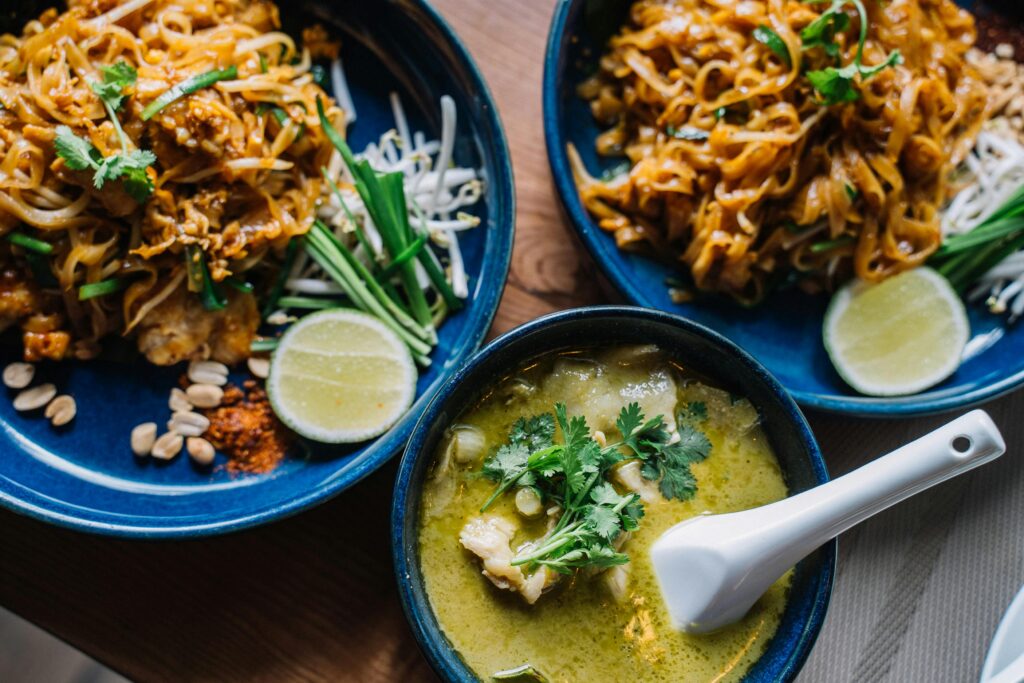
(313, 597)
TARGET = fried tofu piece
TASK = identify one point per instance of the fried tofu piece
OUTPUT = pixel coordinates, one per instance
(180, 329)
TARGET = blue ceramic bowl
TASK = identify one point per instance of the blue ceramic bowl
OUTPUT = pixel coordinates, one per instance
(85, 476)
(784, 332)
(698, 348)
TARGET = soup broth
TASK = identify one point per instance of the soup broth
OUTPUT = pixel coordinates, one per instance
(583, 628)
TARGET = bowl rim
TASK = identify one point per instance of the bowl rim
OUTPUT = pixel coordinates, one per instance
(497, 258)
(428, 633)
(595, 240)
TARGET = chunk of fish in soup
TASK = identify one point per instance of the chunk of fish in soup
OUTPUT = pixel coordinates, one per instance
(592, 625)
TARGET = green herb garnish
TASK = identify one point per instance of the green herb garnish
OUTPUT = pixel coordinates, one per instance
(663, 460)
(773, 42)
(264, 344)
(698, 410)
(688, 133)
(573, 475)
(836, 85)
(965, 258)
(30, 243)
(129, 167)
(187, 87)
(101, 288)
(115, 79)
(199, 280)
(829, 245)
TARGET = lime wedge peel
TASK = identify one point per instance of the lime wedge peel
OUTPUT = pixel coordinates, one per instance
(341, 376)
(898, 337)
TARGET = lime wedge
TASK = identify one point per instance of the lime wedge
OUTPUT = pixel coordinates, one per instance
(341, 376)
(897, 337)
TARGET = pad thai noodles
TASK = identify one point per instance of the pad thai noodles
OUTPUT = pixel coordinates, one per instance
(159, 157)
(780, 138)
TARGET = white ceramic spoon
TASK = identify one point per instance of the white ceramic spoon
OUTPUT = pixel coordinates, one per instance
(1011, 674)
(713, 568)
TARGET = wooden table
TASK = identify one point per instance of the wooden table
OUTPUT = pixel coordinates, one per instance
(313, 597)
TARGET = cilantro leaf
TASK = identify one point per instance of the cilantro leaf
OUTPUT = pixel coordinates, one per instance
(535, 433)
(664, 459)
(604, 521)
(137, 183)
(678, 483)
(78, 153)
(630, 419)
(115, 79)
(836, 85)
(698, 410)
(509, 460)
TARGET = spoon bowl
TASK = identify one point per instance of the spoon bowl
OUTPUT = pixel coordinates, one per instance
(712, 569)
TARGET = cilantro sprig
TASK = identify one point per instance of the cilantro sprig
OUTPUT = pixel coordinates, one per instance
(573, 475)
(837, 84)
(664, 460)
(129, 165)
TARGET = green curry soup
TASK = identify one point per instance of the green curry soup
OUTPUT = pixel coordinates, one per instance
(593, 625)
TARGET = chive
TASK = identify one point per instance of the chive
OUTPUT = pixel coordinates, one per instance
(851, 191)
(211, 296)
(773, 42)
(829, 245)
(329, 242)
(427, 258)
(411, 251)
(308, 302)
(688, 133)
(30, 243)
(281, 115)
(360, 235)
(199, 280)
(384, 198)
(263, 63)
(264, 344)
(282, 277)
(239, 285)
(356, 290)
(187, 87)
(40, 267)
(102, 288)
(262, 108)
(720, 113)
(984, 233)
(791, 226)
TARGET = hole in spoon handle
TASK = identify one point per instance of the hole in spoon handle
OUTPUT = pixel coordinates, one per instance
(962, 444)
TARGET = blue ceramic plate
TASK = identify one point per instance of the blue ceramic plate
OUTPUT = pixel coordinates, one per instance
(784, 332)
(699, 349)
(85, 476)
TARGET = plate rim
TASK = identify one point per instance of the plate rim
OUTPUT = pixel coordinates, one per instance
(495, 139)
(1012, 617)
(611, 262)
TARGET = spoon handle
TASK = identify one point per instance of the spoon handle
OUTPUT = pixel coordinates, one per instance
(827, 511)
(711, 569)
